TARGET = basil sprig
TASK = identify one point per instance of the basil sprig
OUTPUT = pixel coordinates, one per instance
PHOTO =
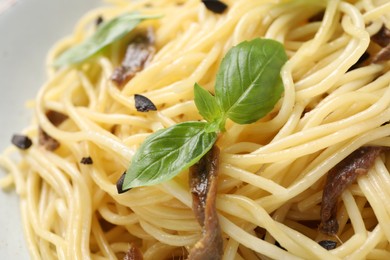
(248, 85)
(107, 33)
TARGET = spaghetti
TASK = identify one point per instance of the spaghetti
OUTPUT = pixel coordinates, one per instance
(271, 173)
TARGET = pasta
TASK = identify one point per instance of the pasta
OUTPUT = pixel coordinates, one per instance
(271, 172)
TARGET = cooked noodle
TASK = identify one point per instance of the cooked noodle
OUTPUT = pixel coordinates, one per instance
(272, 172)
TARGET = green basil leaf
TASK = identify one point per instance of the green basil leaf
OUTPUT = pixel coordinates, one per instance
(248, 83)
(206, 103)
(167, 152)
(105, 34)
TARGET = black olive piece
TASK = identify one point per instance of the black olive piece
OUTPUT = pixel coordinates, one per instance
(215, 6)
(21, 141)
(86, 160)
(99, 20)
(328, 244)
(143, 104)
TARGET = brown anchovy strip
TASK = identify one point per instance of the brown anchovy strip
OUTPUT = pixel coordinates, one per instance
(382, 37)
(138, 53)
(339, 178)
(134, 253)
(56, 118)
(48, 142)
(383, 55)
(317, 17)
(203, 185)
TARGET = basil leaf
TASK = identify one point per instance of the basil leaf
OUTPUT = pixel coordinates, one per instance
(206, 104)
(248, 82)
(167, 152)
(106, 34)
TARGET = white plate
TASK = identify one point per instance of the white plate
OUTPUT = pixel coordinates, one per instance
(27, 30)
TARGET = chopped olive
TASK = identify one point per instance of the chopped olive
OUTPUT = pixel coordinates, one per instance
(86, 160)
(21, 141)
(328, 244)
(119, 184)
(215, 6)
(339, 178)
(143, 104)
